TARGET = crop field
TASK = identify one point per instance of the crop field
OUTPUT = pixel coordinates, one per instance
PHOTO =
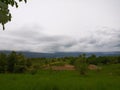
(106, 79)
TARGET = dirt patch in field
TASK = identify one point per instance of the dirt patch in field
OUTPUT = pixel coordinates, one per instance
(65, 67)
(94, 67)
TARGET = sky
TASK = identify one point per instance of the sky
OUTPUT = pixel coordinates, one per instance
(63, 26)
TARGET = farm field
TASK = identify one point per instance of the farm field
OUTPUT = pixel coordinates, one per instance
(106, 79)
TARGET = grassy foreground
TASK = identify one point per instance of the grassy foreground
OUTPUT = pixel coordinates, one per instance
(106, 79)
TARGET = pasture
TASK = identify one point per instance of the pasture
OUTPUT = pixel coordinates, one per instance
(106, 79)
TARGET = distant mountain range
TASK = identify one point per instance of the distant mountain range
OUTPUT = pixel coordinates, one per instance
(63, 54)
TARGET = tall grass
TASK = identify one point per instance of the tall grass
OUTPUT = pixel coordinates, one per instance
(106, 79)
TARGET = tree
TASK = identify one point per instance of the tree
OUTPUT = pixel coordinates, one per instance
(12, 59)
(3, 63)
(81, 64)
(20, 64)
(15, 63)
(92, 59)
(5, 15)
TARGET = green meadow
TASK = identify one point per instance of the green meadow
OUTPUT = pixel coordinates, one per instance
(108, 78)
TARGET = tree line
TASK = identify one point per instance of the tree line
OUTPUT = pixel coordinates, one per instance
(18, 63)
(14, 63)
(92, 59)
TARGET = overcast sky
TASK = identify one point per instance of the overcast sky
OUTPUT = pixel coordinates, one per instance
(63, 26)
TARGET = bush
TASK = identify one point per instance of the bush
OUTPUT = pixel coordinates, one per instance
(83, 69)
(19, 69)
(81, 66)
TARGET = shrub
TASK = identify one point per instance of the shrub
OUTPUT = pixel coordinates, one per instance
(81, 67)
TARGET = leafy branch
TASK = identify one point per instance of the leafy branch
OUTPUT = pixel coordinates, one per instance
(5, 15)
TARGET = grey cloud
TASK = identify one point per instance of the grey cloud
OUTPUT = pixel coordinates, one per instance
(107, 38)
(104, 39)
(28, 39)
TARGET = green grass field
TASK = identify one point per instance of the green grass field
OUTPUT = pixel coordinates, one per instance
(106, 79)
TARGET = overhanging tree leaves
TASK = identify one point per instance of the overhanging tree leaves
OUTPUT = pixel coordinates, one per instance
(5, 15)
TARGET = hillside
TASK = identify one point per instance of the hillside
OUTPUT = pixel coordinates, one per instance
(63, 54)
